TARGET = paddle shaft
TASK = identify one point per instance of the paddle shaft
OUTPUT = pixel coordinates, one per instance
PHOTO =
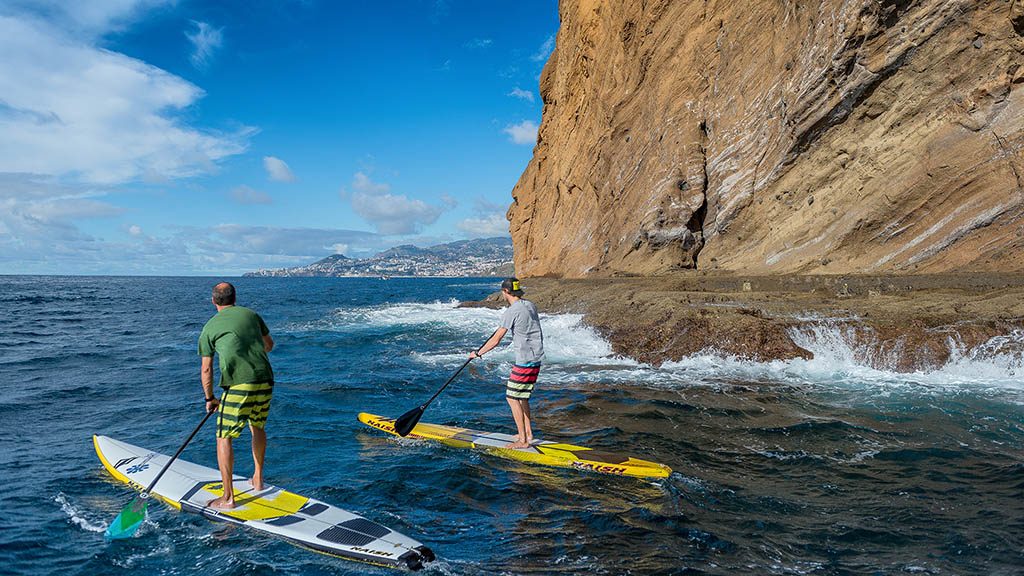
(464, 364)
(178, 453)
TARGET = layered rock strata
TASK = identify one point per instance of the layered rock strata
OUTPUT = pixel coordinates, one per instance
(817, 136)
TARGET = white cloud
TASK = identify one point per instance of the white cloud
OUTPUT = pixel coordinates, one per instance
(67, 209)
(394, 214)
(40, 233)
(245, 195)
(523, 133)
(278, 169)
(37, 223)
(485, 226)
(205, 41)
(87, 114)
(521, 94)
(389, 213)
(84, 18)
(545, 50)
(362, 183)
(479, 43)
(269, 240)
(30, 245)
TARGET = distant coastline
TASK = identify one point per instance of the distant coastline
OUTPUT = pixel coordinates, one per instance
(484, 257)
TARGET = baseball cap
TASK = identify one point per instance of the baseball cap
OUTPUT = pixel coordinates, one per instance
(512, 285)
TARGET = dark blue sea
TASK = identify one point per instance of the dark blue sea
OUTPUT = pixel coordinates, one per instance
(828, 466)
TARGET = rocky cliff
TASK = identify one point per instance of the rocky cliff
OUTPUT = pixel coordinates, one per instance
(811, 136)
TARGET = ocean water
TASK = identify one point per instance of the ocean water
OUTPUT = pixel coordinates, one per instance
(828, 466)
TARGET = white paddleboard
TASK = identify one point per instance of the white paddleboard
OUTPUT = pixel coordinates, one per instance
(302, 521)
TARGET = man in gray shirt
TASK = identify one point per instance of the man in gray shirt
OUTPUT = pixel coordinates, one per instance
(528, 341)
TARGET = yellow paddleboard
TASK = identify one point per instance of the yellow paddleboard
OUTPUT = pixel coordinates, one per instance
(544, 452)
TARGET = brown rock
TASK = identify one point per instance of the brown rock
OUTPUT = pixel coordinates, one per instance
(892, 323)
(685, 134)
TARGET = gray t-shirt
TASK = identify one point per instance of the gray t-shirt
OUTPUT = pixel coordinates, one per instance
(527, 339)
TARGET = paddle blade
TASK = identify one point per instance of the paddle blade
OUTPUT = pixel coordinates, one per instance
(129, 520)
(406, 422)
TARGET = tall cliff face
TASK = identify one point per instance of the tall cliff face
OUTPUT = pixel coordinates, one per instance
(817, 136)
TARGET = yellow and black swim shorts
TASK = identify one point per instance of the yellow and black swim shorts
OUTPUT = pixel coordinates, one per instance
(243, 404)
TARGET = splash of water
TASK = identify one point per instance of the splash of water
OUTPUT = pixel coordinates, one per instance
(839, 355)
(575, 352)
(77, 517)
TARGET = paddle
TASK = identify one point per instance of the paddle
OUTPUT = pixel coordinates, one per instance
(131, 516)
(406, 422)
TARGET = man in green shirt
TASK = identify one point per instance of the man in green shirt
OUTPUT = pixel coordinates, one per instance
(241, 340)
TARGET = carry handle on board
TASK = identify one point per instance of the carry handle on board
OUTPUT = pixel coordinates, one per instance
(131, 516)
(406, 422)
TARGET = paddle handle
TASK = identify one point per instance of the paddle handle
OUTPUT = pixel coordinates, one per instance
(464, 364)
(178, 453)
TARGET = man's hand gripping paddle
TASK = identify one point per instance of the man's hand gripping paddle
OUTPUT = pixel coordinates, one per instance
(406, 422)
(131, 516)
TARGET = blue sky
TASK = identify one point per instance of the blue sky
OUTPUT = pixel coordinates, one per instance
(163, 137)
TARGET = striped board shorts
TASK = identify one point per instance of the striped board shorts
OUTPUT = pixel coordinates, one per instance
(521, 381)
(243, 404)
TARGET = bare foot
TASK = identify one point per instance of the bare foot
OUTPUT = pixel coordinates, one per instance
(518, 444)
(221, 504)
(257, 485)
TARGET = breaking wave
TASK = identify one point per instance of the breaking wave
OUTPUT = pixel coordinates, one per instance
(577, 353)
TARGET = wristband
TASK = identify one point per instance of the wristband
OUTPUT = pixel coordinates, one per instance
(211, 398)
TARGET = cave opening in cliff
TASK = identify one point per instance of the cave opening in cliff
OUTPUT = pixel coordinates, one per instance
(696, 223)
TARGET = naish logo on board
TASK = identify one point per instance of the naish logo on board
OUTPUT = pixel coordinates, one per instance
(599, 468)
(369, 551)
(138, 467)
(382, 425)
(123, 461)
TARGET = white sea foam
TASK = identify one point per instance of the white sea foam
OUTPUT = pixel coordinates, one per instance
(576, 353)
(566, 338)
(996, 363)
(77, 517)
(164, 548)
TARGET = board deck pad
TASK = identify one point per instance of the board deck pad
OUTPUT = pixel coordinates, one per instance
(543, 452)
(302, 521)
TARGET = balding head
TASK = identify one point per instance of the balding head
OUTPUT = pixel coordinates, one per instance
(224, 294)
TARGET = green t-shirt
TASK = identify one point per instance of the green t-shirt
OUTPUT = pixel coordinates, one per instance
(236, 335)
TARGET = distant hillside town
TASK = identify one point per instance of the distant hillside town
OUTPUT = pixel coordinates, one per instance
(481, 257)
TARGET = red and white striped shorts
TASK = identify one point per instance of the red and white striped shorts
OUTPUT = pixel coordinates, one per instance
(521, 381)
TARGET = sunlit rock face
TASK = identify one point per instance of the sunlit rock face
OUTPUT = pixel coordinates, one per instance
(813, 136)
